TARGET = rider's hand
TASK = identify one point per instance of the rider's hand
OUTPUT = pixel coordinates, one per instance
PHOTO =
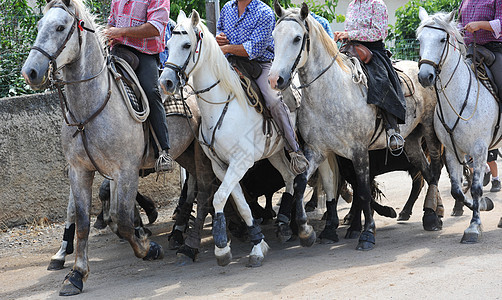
(341, 35)
(221, 39)
(113, 33)
(475, 26)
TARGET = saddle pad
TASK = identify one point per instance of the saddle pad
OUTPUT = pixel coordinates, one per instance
(406, 84)
(174, 106)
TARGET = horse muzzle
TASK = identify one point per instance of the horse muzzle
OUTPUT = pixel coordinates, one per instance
(167, 83)
(35, 76)
(426, 75)
(278, 82)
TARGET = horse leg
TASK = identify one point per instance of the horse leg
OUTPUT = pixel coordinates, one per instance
(330, 176)
(58, 259)
(474, 231)
(416, 188)
(122, 210)
(149, 206)
(206, 185)
(311, 205)
(230, 178)
(81, 185)
(361, 166)
(183, 216)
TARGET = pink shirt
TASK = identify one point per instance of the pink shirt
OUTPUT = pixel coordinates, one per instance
(133, 13)
(366, 20)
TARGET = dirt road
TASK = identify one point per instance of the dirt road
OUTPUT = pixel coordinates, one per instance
(407, 262)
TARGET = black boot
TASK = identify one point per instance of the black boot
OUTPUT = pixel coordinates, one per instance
(395, 142)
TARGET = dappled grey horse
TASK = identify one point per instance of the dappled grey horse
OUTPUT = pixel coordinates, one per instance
(334, 116)
(467, 117)
(100, 132)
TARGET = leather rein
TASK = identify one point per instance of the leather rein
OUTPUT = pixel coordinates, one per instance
(63, 102)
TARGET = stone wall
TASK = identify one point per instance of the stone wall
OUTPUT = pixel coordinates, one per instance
(33, 185)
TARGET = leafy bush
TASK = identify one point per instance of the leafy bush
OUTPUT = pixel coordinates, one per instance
(407, 21)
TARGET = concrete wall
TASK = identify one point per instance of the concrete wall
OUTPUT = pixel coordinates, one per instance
(32, 181)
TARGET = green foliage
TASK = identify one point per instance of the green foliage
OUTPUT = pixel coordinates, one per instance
(407, 21)
(99, 8)
(326, 10)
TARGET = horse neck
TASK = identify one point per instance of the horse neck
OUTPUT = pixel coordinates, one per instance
(86, 97)
(455, 73)
(203, 78)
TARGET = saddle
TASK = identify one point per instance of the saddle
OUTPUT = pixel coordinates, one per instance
(358, 51)
(481, 59)
(119, 57)
(249, 71)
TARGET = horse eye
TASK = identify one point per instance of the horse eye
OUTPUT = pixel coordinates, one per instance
(186, 46)
(443, 40)
(297, 39)
(60, 28)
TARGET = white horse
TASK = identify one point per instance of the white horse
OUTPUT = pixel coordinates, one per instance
(334, 116)
(467, 115)
(231, 130)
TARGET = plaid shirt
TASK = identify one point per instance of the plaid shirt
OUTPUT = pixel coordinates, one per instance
(482, 10)
(133, 13)
(253, 29)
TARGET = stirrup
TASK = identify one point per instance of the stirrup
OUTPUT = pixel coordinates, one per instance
(395, 143)
(164, 163)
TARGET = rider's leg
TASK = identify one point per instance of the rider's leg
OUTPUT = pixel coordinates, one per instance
(279, 111)
(395, 140)
(496, 68)
(148, 76)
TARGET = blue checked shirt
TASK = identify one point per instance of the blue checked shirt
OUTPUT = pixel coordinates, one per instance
(253, 29)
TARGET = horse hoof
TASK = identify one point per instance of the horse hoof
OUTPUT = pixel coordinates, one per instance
(254, 261)
(470, 238)
(175, 240)
(284, 232)
(366, 241)
(155, 252)
(457, 212)
(183, 260)
(308, 238)
(431, 222)
(347, 220)
(72, 284)
(56, 264)
(486, 204)
(69, 289)
(224, 259)
(328, 235)
(403, 216)
(310, 206)
(99, 224)
(352, 234)
(152, 216)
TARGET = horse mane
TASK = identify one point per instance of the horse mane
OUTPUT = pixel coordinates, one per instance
(439, 19)
(83, 13)
(211, 52)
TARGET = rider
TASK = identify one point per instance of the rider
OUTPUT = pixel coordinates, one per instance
(366, 23)
(139, 25)
(484, 17)
(245, 29)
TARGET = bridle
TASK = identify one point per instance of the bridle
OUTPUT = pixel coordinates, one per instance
(78, 23)
(181, 70)
(305, 47)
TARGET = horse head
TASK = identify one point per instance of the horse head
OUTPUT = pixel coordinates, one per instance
(435, 34)
(291, 39)
(184, 52)
(58, 42)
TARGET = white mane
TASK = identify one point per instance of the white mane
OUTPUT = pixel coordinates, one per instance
(216, 61)
(439, 20)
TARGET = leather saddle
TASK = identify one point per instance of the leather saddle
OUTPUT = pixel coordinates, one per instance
(358, 51)
(483, 59)
(249, 71)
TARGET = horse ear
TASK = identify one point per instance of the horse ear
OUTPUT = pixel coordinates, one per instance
(450, 17)
(181, 16)
(279, 11)
(422, 13)
(304, 12)
(195, 18)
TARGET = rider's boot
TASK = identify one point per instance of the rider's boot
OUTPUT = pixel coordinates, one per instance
(395, 142)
